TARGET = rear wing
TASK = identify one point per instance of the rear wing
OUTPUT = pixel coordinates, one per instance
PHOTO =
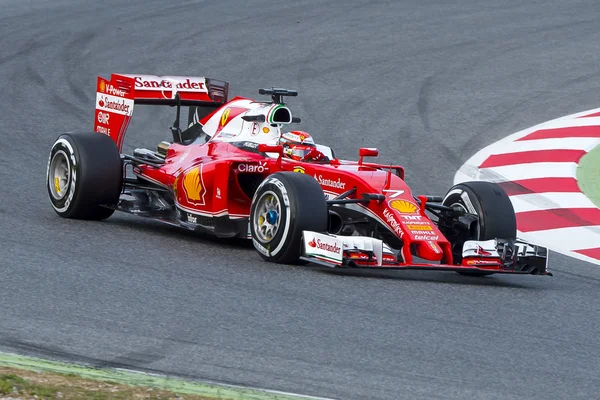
(116, 97)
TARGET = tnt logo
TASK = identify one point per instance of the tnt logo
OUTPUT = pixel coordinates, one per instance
(103, 118)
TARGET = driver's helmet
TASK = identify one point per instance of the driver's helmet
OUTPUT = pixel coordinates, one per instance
(298, 145)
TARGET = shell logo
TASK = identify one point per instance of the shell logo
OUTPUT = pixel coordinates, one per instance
(404, 206)
(225, 116)
(192, 185)
(175, 185)
(102, 86)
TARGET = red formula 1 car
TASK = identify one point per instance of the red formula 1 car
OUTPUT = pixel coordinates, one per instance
(233, 172)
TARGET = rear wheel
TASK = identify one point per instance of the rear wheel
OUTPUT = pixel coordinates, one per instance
(84, 174)
(284, 205)
(495, 212)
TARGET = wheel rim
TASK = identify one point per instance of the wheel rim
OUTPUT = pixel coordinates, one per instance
(267, 217)
(59, 177)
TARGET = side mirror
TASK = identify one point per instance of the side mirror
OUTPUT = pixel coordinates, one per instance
(272, 148)
(367, 152)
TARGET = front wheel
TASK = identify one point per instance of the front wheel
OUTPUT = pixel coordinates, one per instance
(495, 212)
(284, 205)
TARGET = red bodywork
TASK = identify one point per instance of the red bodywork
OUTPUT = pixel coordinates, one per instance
(205, 182)
(204, 179)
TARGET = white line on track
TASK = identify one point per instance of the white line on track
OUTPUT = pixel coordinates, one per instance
(550, 200)
(526, 171)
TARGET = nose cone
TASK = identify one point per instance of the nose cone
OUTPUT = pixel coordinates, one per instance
(429, 250)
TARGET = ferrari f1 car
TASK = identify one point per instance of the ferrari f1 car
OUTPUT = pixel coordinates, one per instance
(229, 173)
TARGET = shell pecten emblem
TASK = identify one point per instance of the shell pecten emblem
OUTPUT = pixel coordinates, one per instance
(102, 86)
(193, 186)
(404, 206)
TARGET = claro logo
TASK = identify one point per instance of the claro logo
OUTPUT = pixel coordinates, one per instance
(253, 168)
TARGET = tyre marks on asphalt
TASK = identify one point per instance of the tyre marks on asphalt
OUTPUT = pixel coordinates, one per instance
(538, 169)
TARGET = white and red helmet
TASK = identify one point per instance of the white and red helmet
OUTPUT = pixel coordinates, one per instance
(298, 145)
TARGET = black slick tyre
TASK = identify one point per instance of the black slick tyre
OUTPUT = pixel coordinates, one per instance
(496, 215)
(284, 205)
(84, 174)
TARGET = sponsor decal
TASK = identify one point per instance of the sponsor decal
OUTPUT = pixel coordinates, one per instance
(299, 169)
(266, 130)
(251, 145)
(391, 220)
(254, 130)
(394, 193)
(218, 193)
(192, 219)
(175, 185)
(110, 89)
(330, 182)
(482, 262)
(360, 256)
(389, 258)
(254, 168)
(103, 118)
(415, 227)
(102, 129)
(102, 86)
(225, 135)
(412, 218)
(322, 245)
(426, 237)
(193, 186)
(434, 247)
(482, 252)
(404, 206)
(329, 248)
(262, 249)
(158, 83)
(114, 104)
(225, 116)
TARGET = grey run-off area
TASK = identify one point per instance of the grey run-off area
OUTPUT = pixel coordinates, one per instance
(427, 82)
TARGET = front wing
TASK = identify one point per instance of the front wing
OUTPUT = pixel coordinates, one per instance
(493, 256)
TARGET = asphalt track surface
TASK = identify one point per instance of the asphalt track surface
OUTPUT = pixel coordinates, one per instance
(427, 82)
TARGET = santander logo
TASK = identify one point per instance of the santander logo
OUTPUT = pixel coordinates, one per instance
(321, 245)
(180, 83)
